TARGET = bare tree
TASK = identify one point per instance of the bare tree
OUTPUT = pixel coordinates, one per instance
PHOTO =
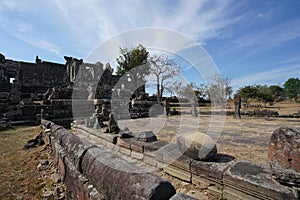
(163, 68)
(174, 88)
(219, 89)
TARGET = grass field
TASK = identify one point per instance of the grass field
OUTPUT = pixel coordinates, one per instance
(19, 176)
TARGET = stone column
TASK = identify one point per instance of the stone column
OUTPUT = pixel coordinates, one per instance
(237, 106)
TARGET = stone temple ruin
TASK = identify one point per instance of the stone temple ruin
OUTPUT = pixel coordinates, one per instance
(103, 161)
(27, 88)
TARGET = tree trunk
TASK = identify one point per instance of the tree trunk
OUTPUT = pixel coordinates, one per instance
(158, 89)
(161, 90)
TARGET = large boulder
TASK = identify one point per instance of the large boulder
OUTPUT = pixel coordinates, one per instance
(284, 156)
(197, 146)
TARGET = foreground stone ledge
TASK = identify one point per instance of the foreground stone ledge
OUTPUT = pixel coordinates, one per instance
(76, 148)
(222, 175)
(246, 180)
(113, 176)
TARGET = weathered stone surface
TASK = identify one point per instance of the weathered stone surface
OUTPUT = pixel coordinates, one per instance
(246, 180)
(214, 168)
(124, 142)
(178, 173)
(111, 175)
(46, 123)
(75, 148)
(197, 146)
(146, 136)
(59, 132)
(284, 156)
(181, 196)
(154, 146)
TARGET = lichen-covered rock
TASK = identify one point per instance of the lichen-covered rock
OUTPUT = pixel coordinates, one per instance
(197, 146)
(284, 155)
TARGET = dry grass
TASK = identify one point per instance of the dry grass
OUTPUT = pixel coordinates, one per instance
(19, 177)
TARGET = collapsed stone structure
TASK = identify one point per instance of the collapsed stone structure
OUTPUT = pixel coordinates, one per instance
(26, 88)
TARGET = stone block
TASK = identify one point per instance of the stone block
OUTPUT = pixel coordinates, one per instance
(125, 151)
(111, 175)
(175, 158)
(137, 155)
(178, 173)
(159, 154)
(154, 146)
(246, 180)
(214, 168)
(124, 142)
(112, 138)
(137, 146)
(150, 160)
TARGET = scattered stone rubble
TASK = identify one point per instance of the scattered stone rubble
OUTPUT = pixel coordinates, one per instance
(54, 187)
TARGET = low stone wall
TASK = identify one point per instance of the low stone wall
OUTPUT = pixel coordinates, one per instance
(223, 176)
(82, 166)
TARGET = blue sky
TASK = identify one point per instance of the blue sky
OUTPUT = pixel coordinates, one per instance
(251, 42)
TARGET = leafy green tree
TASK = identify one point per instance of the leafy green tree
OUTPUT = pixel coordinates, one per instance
(292, 88)
(264, 94)
(130, 59)
(133, 63)
(277, 92)
(248, 93)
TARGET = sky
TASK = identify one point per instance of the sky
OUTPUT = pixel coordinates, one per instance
(250, 41)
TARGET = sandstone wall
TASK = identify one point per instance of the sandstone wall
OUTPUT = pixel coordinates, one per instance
(82, 166)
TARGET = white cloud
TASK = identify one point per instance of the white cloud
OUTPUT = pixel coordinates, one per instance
(271, 37)
(12, 5)
(26, 32)
(96, 21)
(272, 76)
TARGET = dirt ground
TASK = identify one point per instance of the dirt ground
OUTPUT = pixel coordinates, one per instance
(246, 138)
(27, 174)
(23, 177)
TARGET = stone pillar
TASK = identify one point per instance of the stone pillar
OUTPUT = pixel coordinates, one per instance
(237, 106)
(194, 107)
(166, 107)
(284, 156)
